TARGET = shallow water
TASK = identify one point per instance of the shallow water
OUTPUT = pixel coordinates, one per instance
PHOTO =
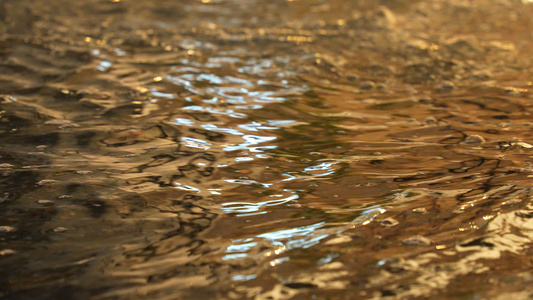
(239, 149)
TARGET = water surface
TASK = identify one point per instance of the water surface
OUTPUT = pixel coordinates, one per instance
(239, 149)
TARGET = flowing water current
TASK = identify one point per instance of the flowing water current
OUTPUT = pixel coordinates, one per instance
(250, 149)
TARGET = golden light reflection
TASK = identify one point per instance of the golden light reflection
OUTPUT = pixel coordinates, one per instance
(296, 38)
(488, 217)
(278, 261)
(280, 250)
(465, 206)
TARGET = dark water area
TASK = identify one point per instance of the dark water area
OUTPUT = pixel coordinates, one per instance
(247, 149)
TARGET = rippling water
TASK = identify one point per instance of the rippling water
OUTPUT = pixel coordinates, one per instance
(240, 149)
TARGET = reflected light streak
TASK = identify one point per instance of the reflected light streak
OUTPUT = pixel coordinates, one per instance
(249, 207)
(251, 140)
(195, 143)
(188, 188)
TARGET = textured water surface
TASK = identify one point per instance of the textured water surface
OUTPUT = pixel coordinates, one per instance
(247, 149)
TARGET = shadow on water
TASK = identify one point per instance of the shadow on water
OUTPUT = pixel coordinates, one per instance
(240, 149)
